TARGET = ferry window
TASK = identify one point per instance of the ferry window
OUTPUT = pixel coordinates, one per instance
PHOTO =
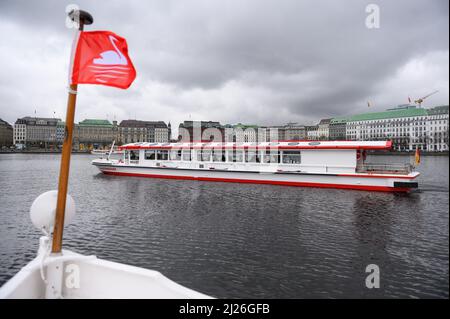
(150, 155)
(239, 156)
(186, 155)
(204, 155)
(134, 155)
(162, 155)
(291, 157)
(251, 156)
(230, 156)
(175, 155)
(235, 156)
(219, 156)
(271, 156)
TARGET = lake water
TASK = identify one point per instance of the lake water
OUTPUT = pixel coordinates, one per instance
(241, 240)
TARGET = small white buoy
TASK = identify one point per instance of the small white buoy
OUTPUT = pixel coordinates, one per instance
(43, 210)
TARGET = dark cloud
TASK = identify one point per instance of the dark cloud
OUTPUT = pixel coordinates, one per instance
(249, 61)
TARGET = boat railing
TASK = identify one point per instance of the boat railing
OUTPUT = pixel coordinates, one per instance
(391, 168)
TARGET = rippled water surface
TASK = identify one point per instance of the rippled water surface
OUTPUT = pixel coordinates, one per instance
(236, 240)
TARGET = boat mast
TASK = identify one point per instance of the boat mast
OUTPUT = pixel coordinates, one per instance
(83, 18)
(111, 150)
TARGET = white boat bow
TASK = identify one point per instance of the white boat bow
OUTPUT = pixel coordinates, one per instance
(86, 277)
(69, 275)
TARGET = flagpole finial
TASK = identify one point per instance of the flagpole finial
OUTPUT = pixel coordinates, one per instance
(82, 17)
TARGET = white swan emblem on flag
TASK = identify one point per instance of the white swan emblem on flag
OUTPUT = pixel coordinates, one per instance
(111, 57)
(111, 64)
(101, 57)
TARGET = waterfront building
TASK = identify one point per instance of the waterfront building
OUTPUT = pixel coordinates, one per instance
(93, 133)
(60, 132)
(169, 131)
(312, 132)
(6, 134)
(35, 131)
(190, 131)
(437, 129)
(294, 132)
(263, 134)
(337, 129)
(323, 131)
(242, 133)
(20, 132)
(157, 132)
(408, 127)
(275, 133)
(132, 131)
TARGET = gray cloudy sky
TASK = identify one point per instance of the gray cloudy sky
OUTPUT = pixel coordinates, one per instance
(252, 61)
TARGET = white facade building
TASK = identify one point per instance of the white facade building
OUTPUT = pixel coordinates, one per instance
(241, 133)
(161, 135)
(20, 133)
(35, 131)
(312, 133)
(324, 129)
(407, 126)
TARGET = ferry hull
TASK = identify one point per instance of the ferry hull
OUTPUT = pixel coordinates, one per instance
(339, 181)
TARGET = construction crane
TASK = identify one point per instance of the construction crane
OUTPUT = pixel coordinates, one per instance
(419, 101)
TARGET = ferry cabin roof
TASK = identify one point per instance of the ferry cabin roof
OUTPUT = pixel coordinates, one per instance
(293, 145)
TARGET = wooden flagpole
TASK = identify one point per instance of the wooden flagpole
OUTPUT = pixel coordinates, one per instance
(84, 18)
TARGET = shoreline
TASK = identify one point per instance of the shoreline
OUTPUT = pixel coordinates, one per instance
(388, 153)
(42, 152)
(422, 153)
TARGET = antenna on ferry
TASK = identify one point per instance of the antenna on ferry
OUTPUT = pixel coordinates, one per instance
(111, 150)
(83, 18)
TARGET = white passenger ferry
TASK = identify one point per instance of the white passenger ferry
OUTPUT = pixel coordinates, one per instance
(333, 164)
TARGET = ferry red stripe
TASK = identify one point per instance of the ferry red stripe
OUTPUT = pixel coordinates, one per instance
(253, 181)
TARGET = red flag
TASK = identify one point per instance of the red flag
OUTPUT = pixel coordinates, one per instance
(101, 57)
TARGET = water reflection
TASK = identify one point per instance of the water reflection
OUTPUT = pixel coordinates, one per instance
(237, 240)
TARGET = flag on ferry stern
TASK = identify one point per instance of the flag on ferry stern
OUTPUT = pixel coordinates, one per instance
(101, 57)
(417, 156)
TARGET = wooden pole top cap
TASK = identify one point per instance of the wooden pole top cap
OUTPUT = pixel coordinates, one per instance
(81, 16)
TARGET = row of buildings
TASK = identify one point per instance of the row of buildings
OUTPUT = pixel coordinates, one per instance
(206, 131)
(48, 133)
(6, 134)
(408, 126)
